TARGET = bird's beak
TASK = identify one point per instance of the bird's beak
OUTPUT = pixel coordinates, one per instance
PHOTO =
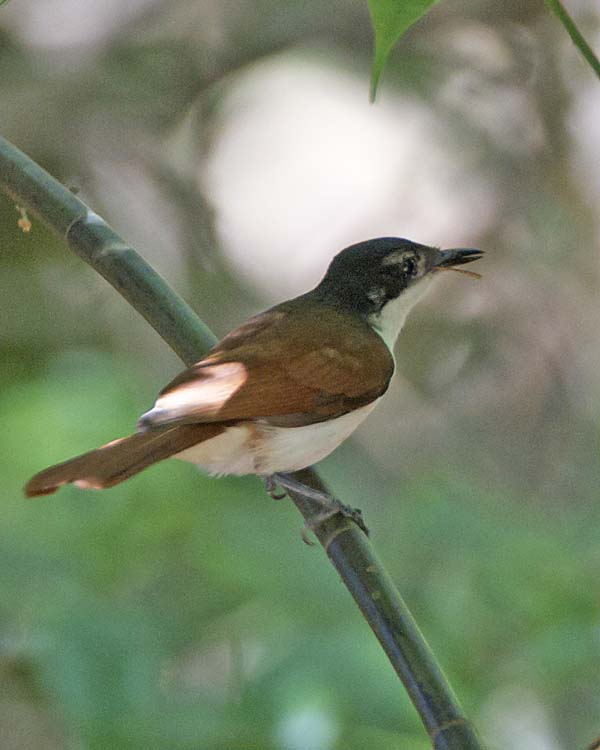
(456, 257)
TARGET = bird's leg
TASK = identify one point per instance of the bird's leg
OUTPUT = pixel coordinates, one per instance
(331, 505)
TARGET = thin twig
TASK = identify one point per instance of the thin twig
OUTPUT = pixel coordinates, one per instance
(347, 547)
(577, 37)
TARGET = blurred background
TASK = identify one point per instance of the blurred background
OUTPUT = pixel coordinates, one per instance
(232, 143)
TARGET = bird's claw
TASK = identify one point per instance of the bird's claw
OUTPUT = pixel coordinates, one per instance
(271, 487)
(331, 505)
(336, 507)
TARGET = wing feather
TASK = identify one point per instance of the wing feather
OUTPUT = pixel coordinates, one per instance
(247, 376)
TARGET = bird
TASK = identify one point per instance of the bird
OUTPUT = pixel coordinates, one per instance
(284, 389)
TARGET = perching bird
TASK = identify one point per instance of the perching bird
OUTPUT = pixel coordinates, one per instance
(284, 389)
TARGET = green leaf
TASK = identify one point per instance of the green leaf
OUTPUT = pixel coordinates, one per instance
(390, 19)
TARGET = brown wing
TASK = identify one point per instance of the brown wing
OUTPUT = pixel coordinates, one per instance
(335, 367)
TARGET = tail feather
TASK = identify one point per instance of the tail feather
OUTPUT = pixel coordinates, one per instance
(116, 461)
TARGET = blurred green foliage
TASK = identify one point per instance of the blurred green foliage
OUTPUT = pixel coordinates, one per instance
(180, 612)
(391, 18)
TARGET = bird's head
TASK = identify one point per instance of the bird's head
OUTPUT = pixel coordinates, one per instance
(381, 279)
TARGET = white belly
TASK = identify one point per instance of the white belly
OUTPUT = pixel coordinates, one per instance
(254, 448)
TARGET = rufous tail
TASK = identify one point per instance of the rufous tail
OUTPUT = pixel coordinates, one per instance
(114, 462)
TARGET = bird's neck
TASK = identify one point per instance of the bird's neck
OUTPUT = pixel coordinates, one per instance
(388, 321)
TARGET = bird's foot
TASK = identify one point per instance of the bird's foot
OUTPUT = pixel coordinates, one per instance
(331, 505)
(271, 487)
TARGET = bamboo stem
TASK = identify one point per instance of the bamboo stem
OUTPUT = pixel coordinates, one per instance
(99, 245)
(347, 547)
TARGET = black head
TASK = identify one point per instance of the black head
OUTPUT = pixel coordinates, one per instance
(366, 276)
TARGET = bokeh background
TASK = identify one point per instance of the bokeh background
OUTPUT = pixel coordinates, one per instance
(233, 144)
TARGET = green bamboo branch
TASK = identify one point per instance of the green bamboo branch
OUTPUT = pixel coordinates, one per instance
(346, 545)
(577, 37)
(99, 245)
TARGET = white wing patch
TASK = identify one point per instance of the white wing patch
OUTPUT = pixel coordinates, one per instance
(203, 396)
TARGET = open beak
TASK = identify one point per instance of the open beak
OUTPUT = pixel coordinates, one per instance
(457, 256)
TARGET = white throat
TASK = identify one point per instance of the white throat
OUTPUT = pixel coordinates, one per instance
(389, 320)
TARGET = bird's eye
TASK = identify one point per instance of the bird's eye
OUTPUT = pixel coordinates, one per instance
(409, 267)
